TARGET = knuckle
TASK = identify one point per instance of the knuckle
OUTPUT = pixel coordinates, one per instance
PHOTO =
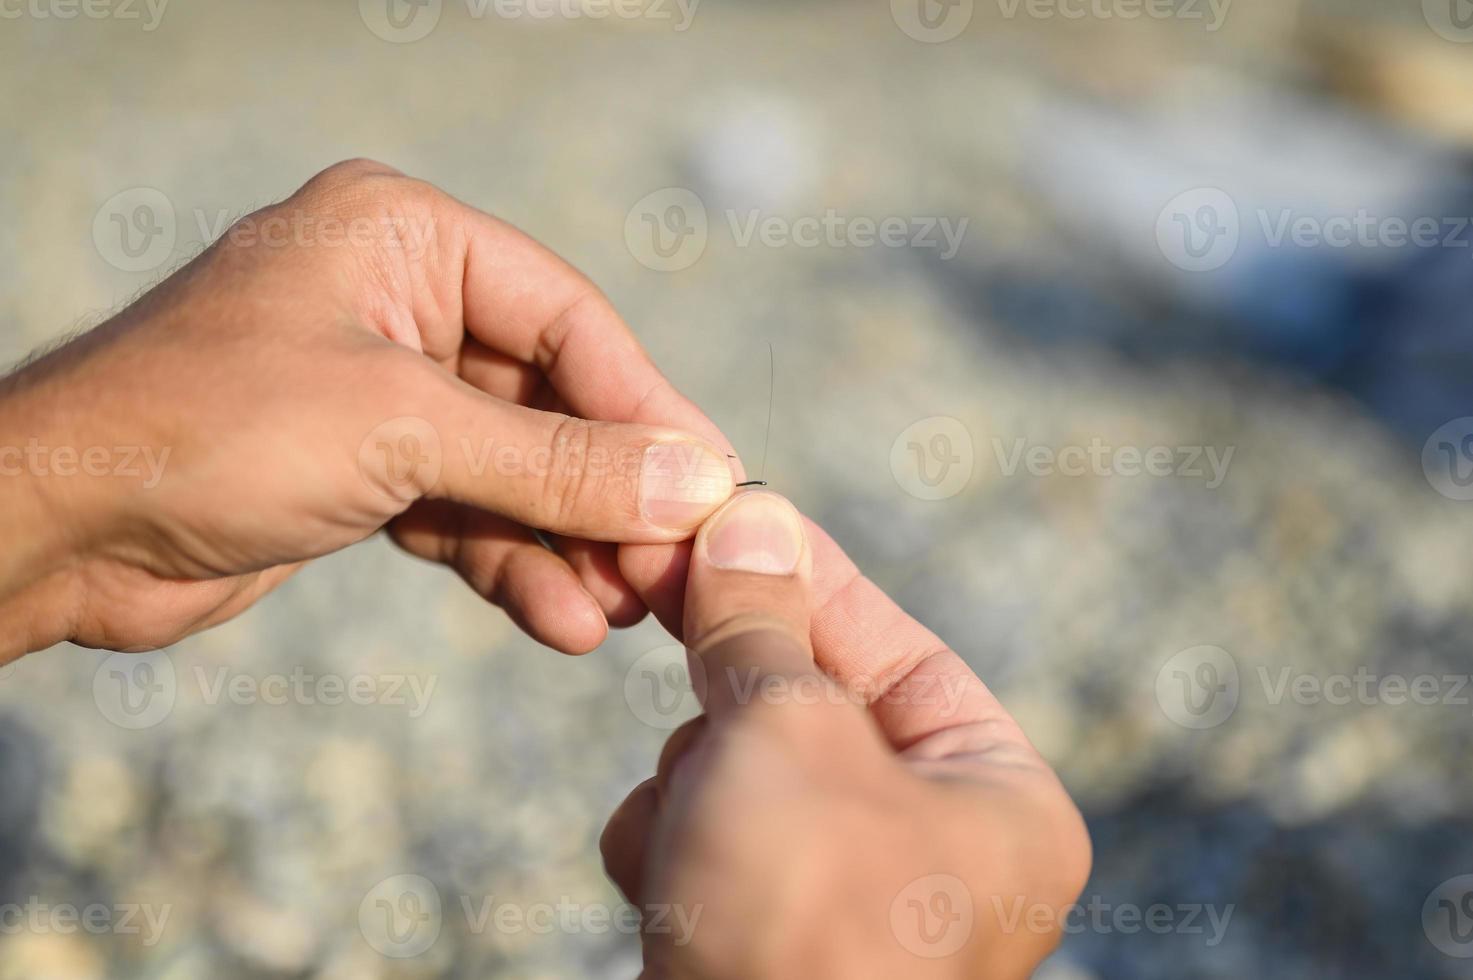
(347, 173)
(746, 626)
(362, 187)
(569, 485)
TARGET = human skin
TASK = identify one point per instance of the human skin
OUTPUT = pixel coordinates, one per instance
(278, 379)
(853, 802)
(465, 390)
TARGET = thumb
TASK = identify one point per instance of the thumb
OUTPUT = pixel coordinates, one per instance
(600, 481)
(747, 604)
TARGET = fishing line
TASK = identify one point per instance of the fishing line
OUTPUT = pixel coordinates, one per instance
(767, 436)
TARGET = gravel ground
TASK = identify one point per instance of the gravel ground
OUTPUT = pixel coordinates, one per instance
(1290, 537)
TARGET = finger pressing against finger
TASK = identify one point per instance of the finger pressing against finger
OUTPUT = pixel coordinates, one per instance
(747, 600)
(680, 742)
(503, 376)
(597, 566)
(508, 566)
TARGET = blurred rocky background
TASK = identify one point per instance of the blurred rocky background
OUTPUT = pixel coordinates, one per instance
(1150, 401)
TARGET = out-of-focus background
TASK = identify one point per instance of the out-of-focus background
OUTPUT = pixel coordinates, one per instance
(1126, 342)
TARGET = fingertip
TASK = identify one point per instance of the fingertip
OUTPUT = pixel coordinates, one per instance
(597, 566)
(657, 573)
(750, 570)
(544, 596)
(756, 531)
(682, 482)
(582, 629)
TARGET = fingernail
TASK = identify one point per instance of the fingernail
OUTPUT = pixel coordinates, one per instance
(680, 483)
(756, 532)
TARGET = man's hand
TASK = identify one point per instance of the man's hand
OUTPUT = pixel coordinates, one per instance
(289, 393)
(791, 831)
